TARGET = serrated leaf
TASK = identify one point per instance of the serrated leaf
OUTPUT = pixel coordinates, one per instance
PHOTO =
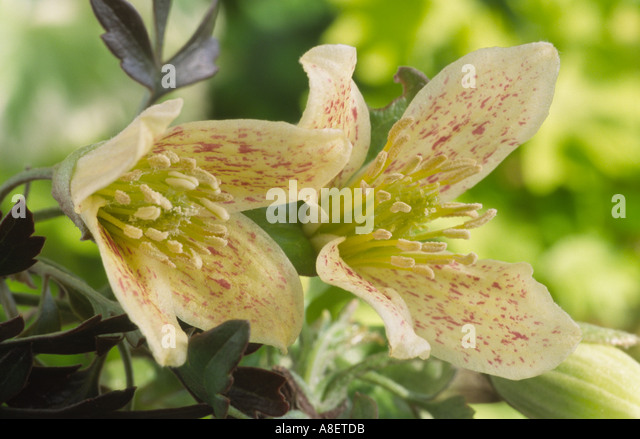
(15, 366)
(291, 239)
(211, 359)
(382, 119)
(51, 388)
(17, 247)
(257, 391)
(195, 61)
(11, 328)
(102, 406)
(83, 338)
(127, 38)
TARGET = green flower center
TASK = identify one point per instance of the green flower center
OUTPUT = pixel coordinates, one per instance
(167, 207)
(410, 220)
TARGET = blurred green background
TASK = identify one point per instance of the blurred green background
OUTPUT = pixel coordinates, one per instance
(60, 89)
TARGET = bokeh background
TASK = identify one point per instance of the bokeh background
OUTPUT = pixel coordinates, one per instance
(60, 89)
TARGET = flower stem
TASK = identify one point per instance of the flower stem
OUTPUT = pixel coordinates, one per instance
(24, 177)
(101, 304)
(125, 354)
(48, 213)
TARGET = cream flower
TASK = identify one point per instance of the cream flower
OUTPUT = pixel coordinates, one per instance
(163, 205)
(451, 136)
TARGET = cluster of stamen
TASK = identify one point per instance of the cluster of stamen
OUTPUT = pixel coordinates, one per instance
(409, 218)
(168, 208)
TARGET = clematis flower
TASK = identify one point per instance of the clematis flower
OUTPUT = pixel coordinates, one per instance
(163, 206)
(431, 300)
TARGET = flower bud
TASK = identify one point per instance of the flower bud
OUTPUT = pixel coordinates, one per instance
(596, 381)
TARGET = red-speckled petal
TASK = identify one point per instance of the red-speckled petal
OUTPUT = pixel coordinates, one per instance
(335, 101)
(519, 331)
(103, 165)
(513, 91)
(404, 343)
(249, 157)
(141, 285)
(249, 279)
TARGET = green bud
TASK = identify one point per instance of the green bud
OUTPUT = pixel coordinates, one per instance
(596, 381)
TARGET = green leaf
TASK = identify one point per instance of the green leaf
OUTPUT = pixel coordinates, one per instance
(212, 357)
(15, 367)
(454, 407)
(382, 119)
(425, 379)
(17, 247)
(290, 238)
(336, 390)
(127, 38)
(48, 319)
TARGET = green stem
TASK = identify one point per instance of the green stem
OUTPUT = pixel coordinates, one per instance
(125, 354)
(26, 299)
(24, 177)
(43, 268)
(387, 383)
(48, 213)
(237, 413)
(7, 301)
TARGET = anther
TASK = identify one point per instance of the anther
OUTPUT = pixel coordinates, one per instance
(132, 231)
(483, 219)
(155, 234)
(402, 262)
(155, 253)
(153, 197)
(180, 183)
(398, 128)
(433, 247)
(122, 197)
(456, 233)
(159, 161)
(383, 196)
(172, 156)
(409, 246)
(381, 234)
(177, 174)
(188, 162)
(424, 269)
(215, 209)
(132, 175)
(174, 246)
(149, 213)
(399, 206)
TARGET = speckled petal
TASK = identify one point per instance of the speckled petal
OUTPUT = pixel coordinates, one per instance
(513, 91)
(106, 163)
(335, 101)
(250, 279)
(519, 331)
(141, 286)
(249, 157)
(404, 343)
